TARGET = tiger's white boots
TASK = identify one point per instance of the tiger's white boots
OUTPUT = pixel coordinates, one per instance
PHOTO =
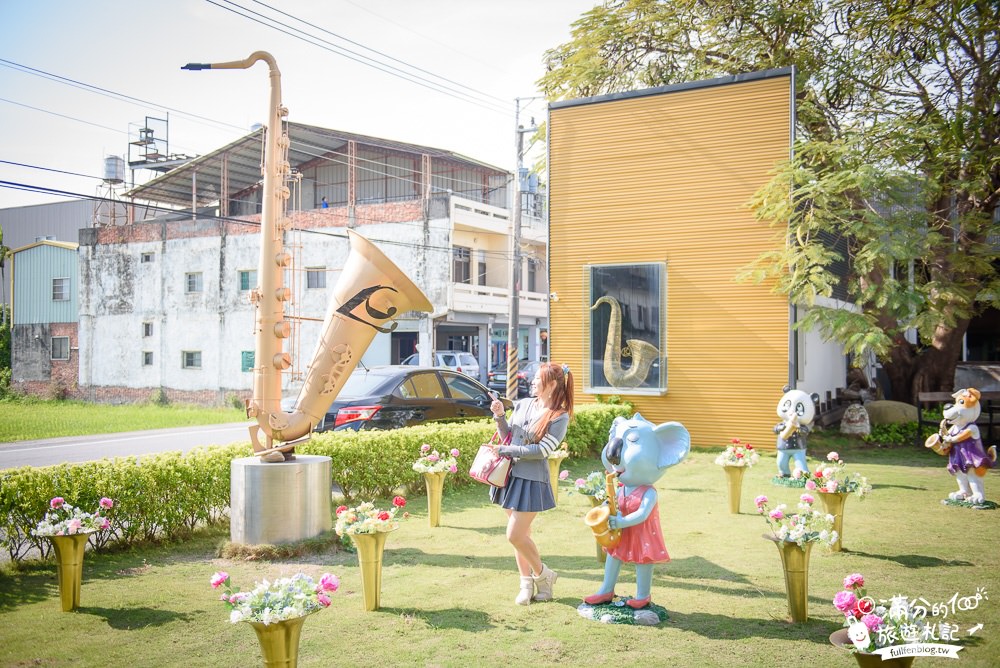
(527, 590)
(544, 583)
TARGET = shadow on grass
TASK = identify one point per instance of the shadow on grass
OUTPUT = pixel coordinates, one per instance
(910, 487)
(463, 619)
(724, 627)
(913, 560)
(135, 619)
(32, 583)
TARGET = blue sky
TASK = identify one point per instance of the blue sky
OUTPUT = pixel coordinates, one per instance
(483, 53)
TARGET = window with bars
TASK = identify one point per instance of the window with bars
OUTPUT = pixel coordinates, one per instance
(191, 359)
(192, 282)
(462, 264)
(60, 347)
(315, 277)
(248, 279)
(60, 289)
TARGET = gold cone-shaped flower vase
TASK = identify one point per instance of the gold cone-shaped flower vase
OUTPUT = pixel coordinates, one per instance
(554, 477)
(795, 563)
(279, 641)
(734, 479)
(834, 502)
(866, 660)
(69, 560)
(435, 490)
(602, 556)
(369, 547)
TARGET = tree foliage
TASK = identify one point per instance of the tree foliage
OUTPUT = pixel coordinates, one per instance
(896, 161)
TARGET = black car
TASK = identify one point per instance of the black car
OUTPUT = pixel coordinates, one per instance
(388, 397)
(497, 378)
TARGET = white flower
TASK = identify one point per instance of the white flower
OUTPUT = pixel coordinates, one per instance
(236, 615)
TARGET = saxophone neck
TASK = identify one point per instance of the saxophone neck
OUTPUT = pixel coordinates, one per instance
(610, 481)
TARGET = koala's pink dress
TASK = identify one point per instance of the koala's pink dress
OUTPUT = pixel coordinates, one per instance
(643, 543)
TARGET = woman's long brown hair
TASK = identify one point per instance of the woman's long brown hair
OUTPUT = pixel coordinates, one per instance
(562, 395)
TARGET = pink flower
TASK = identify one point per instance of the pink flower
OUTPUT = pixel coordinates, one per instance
(739, 455)
(872, 622)
(810, 485)
(341, 509)
(735, 441)
(749, 447)
(797, 473)
(455, 452)
(432, 458)
(57, 502)
(760, 500)
(831, 486)
(807, 498)
(819, 473)
(105, 523)
(453, 468)
(399, 502)
(563, 475)
(580, 482)
(384, 516)
(776, 514)
(323, 600)
(107, 503)
(74, 525)
(219, 579)
(832, 457)
(424, 447)
(854, 580)
(845, 601)
(329, 582)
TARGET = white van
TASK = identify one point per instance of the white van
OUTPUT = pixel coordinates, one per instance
(450, 359)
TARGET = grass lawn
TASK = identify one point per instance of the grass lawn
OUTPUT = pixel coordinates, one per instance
(29, 419)
(447, 593)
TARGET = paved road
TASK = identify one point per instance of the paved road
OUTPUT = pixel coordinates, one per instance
(51, 451)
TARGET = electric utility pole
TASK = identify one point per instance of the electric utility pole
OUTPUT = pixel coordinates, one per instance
(513, 355)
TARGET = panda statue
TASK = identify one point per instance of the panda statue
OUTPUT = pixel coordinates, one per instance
(797, 411)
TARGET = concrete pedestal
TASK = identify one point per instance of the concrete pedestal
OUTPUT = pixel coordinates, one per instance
(279, 503)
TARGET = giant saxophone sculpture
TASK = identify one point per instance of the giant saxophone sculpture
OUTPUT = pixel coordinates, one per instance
(643, 353)
(370, 292)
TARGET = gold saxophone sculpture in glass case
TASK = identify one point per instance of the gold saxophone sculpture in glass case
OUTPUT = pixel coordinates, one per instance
(369, 294)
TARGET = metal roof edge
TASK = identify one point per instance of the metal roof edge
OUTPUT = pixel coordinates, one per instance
(673, 88)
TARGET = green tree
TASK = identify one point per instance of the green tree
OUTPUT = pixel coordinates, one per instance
(896, 159)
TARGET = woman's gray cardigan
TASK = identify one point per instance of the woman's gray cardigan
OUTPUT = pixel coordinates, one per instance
(529, 454)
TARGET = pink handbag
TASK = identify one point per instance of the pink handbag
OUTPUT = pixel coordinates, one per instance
(489, 467)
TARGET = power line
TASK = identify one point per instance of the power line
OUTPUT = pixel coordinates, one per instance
(384, 55)
(12, 185)
(49, 169)
(339, 50)
(110, 93)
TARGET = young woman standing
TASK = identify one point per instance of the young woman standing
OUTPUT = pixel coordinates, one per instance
(536, 428)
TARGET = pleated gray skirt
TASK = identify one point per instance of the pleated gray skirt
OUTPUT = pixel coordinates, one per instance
(524, 496)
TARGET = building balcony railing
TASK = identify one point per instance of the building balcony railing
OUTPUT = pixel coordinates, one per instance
(495, 301)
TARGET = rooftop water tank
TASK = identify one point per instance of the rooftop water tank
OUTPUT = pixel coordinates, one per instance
(114, 169)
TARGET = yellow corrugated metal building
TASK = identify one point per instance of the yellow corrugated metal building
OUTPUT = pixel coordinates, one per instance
(661, 178)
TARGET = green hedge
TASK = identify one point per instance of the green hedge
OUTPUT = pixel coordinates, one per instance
(159, 496)
(167, 495)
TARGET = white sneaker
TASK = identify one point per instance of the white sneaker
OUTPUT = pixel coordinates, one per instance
(527, 590)
(544, 583)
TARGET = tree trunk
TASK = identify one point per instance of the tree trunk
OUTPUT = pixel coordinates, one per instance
(932, 369)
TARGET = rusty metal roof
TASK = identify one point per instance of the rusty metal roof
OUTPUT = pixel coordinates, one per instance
(244, 156)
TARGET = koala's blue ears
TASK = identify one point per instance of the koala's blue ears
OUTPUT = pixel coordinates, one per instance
(675, 443)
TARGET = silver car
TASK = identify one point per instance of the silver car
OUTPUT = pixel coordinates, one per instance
(450, 359)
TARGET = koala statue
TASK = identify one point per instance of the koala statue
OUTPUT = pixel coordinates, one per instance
(639, 453)
(797, 411)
